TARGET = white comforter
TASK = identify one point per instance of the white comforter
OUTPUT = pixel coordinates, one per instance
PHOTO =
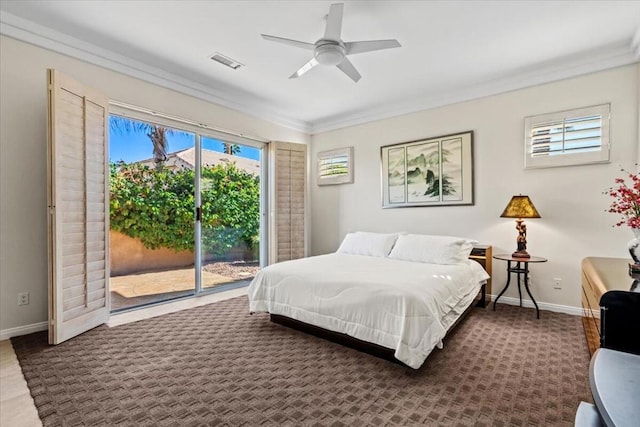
(396, 304)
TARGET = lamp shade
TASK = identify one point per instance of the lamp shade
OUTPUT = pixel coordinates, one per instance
(520, 207)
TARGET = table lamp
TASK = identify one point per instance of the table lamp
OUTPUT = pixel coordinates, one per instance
(520, 207)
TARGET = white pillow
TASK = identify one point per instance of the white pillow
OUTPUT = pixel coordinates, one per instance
(432, 249)
(369, 244)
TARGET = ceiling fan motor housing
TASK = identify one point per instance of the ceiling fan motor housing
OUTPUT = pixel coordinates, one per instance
(329, 52)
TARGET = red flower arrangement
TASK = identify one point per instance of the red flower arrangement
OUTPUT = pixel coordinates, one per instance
(627, 200)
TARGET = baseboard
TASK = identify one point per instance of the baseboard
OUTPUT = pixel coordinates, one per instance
(5, 334)
(574, 311)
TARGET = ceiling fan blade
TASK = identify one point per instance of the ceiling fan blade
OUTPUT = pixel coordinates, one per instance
(296, 43)
(334, 22)
(347, 67)
(370, 45)
(306, 67)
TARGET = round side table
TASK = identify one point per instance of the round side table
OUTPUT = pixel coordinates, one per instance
(521, 268)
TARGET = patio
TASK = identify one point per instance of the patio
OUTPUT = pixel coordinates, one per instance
(148, 287)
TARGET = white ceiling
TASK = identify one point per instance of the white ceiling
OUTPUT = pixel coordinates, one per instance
(451, 50)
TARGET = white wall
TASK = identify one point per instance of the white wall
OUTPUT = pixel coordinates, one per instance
(574, 223)
(23, 139)
(570, 200)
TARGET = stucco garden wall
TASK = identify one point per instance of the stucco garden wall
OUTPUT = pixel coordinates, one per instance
(128, 255)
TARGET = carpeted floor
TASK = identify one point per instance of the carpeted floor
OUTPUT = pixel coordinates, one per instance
(217, 365)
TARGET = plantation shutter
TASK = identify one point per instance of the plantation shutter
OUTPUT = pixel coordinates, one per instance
(78, 208)
(568, 137)
(288, 172)
(331, 166)
(335, 166)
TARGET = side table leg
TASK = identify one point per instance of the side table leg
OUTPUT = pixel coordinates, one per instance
(526, 286)
(505, 286)
(519, 288)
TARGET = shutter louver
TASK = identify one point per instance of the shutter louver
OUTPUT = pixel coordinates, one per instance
(568, 138)
(577, 135)
(335, 166)
(78, 219)
(288, 228)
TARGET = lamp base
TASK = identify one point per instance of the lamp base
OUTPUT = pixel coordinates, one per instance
(520, 254)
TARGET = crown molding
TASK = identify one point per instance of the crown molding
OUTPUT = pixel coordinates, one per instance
(41, 36)
(607, 57)
(604, 58)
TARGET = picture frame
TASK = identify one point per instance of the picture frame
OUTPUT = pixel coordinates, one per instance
(434, 171)
(335, 166)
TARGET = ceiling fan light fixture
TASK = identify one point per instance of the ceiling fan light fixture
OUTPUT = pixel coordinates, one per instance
(329, 54)
(331, 50)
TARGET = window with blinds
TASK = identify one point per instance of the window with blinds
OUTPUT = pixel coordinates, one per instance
(335, 166)
(567, 138)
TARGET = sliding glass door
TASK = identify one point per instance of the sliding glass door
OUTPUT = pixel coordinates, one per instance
(230, 188)
(186, 212)
(151, 212)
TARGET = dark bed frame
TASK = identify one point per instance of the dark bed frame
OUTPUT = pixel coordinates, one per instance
(481, 254)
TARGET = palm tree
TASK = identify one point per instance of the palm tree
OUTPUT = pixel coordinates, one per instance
(232, 149)
(157, 134)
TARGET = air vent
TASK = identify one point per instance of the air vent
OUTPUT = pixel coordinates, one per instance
(225, 60)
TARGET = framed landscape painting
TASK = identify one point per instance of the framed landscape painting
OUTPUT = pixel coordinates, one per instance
(430, 172)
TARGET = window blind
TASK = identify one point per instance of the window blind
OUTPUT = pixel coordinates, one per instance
(577, 135)
(335, 166)
(568, 137)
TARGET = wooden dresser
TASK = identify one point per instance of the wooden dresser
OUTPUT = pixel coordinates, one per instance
(599, 276)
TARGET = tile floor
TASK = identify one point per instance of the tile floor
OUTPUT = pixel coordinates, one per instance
(16, 405)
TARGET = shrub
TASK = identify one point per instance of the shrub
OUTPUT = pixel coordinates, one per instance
(157, 206)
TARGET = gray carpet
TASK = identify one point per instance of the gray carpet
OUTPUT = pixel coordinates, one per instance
(217, 365)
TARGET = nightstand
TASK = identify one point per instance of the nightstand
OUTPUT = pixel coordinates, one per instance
(520, 268)
(482, 255)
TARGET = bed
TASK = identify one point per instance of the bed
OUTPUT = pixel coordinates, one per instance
(377, 289)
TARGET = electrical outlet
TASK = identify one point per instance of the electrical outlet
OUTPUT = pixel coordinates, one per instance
(557, 283)
(23, 298)
(530, 280)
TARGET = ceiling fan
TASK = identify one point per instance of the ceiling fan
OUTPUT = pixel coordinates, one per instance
(331, 50)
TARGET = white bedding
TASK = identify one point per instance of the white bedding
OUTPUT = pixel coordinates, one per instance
(400, 305)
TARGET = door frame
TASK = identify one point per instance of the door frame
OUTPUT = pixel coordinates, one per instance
(202, 130)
